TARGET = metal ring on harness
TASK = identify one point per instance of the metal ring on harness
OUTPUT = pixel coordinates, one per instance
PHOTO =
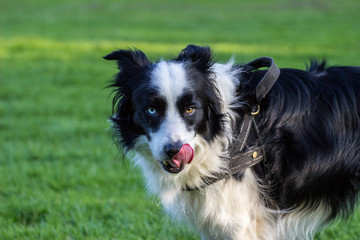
(255, 111)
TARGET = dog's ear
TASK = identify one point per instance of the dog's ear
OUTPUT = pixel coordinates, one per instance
(201, 56)
(129, 59)
(130, 63)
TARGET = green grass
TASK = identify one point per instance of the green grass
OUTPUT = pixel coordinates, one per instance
(60, 174)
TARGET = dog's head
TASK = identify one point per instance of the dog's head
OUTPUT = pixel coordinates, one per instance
(166, 104)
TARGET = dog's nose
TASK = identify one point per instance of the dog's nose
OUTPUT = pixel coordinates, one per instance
(172, 148)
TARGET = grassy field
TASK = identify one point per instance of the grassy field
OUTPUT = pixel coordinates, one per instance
(60, 174)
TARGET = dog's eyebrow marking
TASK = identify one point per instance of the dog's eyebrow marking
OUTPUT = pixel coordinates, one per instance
(185, 98)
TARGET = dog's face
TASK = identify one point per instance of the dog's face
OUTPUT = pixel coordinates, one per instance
(168, 103)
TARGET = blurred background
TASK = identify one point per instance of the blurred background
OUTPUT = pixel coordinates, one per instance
(61, 176)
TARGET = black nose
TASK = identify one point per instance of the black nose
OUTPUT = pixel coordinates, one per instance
(172, 148)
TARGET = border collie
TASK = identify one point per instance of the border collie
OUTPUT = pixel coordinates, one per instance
(181, 119)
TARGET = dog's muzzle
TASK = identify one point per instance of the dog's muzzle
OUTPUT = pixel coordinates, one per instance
(179, 155)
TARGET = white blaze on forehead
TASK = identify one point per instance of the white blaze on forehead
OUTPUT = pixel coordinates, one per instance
(170, 78)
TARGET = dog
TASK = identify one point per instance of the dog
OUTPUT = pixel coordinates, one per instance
(182, 122)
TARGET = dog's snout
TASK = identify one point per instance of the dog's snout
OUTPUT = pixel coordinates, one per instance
(172, 148)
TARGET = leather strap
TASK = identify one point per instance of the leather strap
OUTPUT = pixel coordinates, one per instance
(269, 78)
(249, 153)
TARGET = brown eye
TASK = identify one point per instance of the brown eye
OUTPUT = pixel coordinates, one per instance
(190, 110)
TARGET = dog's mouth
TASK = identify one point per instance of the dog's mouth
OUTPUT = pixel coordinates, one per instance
(169, 166)
(179, 160)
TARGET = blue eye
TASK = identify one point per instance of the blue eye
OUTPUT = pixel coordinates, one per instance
(151, 111)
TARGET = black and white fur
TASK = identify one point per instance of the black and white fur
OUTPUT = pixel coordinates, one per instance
(310, 131)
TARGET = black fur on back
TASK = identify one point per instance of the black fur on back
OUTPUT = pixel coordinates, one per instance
(310, 127)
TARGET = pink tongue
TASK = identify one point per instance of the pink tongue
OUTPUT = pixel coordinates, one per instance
(184, 156)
